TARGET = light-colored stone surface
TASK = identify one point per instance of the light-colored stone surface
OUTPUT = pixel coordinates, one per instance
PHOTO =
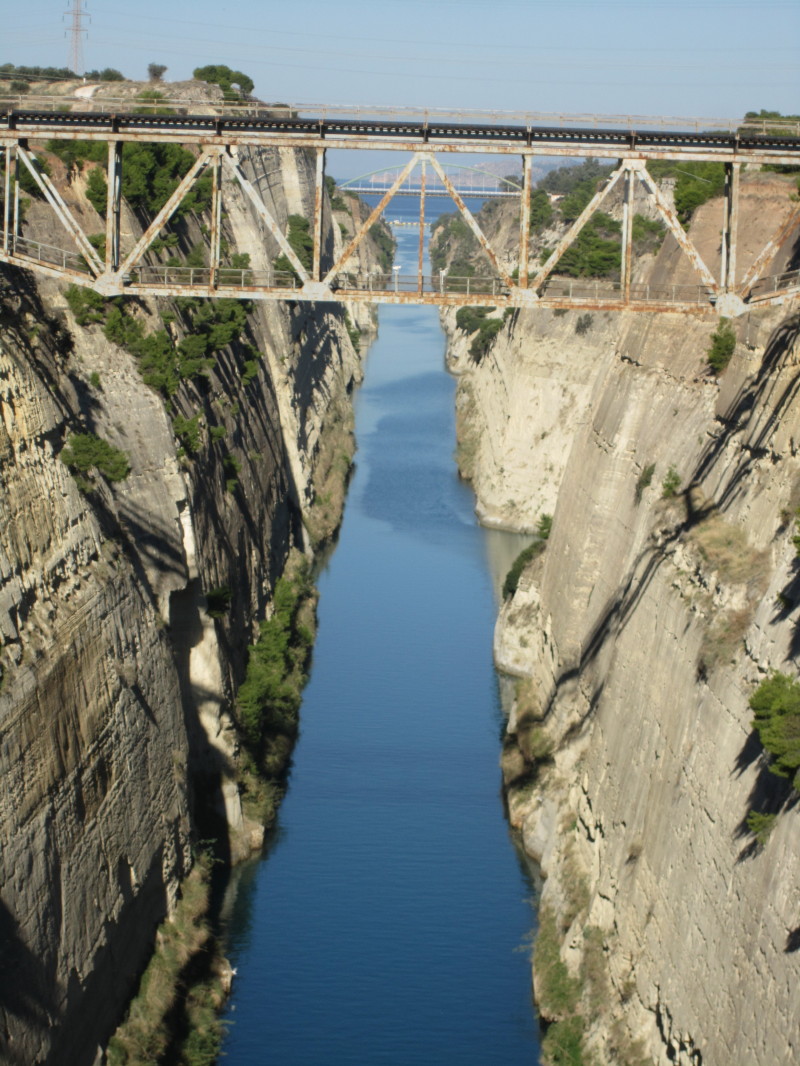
(620, 630)
(115, 685)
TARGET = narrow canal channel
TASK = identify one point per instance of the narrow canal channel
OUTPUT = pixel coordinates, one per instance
(387, 920)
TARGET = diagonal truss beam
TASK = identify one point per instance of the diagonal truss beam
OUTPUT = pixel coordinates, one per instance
(470, 220)
(374, 215)
(261, 209)
(167, 210)
(575, 228)
(62, 211)
(677, 230)
(767, 252)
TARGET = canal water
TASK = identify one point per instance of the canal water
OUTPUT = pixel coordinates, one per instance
(387, 923)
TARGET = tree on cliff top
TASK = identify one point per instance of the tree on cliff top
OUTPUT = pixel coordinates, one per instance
(227, 79)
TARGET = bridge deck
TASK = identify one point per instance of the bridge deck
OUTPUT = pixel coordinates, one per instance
(288, 130)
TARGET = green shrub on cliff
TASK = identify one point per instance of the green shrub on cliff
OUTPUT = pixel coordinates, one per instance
(776, 703)
(269, 698)
(85, 451)
(761, 825)
(671, 483)
(301, 243)
(723, 345)
(86, 305)
(476, 319)
(541, 210)
(526, 556)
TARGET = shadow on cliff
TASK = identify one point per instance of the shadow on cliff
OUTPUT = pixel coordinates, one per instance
(742, 418)
(207, 762)
(26, 989)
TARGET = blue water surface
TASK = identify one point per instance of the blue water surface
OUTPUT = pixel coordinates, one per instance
(385, 923)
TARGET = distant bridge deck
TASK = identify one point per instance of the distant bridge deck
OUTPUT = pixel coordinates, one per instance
(221, 133)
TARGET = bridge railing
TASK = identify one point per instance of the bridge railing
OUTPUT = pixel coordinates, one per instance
(173, 279)
(50, 254)
(560, 288)
(225, 277)
(766, 287)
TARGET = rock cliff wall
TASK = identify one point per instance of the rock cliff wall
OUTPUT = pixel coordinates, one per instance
(116, 683)
(667, 934)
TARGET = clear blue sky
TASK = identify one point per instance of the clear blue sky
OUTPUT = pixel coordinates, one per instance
(707, 58)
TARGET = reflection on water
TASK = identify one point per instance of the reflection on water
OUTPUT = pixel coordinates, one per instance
(383, 924)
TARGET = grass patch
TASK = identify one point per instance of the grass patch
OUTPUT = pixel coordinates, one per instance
(268, 700)
(558, 993)
(148, 1034)
(723, 636)
(563, 1043)
(643, 481)
(671, 483)
(725, 549)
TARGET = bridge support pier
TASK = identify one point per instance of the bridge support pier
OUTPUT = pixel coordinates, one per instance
(319, 187)
(727, 266)
(421, 255)
(113, 204)
(525, 222)
(626, 265)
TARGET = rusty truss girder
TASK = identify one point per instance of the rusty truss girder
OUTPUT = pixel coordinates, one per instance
(219, 139)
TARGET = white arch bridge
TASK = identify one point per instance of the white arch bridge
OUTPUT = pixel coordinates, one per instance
(220, 136)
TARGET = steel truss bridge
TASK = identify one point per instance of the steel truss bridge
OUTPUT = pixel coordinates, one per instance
(470, 182)
(220, 136)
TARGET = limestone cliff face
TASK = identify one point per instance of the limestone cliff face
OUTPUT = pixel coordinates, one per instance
(116, 685)
(638, 637)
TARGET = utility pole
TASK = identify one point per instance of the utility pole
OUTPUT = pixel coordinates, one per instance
(76, 34)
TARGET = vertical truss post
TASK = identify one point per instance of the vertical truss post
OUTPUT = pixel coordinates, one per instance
(7, 200)
(15, 230)
(525, 222)
(727, 267)
(318, 201)
(627, 235)
(113, 202)
(421, 226)
(216, 219)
